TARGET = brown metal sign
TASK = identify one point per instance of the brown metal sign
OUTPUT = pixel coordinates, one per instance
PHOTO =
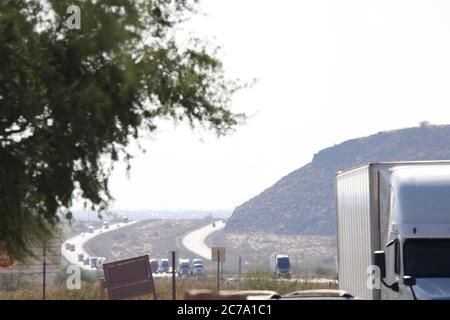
(218, 254)
(129, 278)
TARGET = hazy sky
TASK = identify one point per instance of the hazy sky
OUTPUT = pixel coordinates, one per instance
(327, 71)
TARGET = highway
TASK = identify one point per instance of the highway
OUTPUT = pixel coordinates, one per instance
(81, 239)
(195, 240)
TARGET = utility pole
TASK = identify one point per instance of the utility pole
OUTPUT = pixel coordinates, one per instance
(240, 268)
(174, 286)
(218, 271)
(44, 266)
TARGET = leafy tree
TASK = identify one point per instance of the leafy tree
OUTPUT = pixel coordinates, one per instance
(72, 100)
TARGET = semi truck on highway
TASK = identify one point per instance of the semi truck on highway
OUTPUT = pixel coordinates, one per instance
(393, 230)
(280, 265)
(154, 265)
(94, 261)
(164, 266)
(100, 262)
(198, 267)
(184, 267)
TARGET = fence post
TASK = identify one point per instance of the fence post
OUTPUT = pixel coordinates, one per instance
(43, 271)
(218, 272)
(240, 268)
(174, 286)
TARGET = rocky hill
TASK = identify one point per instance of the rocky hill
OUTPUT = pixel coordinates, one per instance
(303, 202)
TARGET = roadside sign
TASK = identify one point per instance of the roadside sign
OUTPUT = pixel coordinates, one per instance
(218, 254)
(129, 278)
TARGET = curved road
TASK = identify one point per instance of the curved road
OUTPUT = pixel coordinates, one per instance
(81, 239)
(195, 240)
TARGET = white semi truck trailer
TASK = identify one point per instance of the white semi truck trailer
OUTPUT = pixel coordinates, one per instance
(393, 230)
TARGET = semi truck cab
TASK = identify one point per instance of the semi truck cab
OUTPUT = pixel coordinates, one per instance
(416, 233)
(184, 267)
(164, 266)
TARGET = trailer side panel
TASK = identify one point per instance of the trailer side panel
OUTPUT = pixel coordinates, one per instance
(354, 231)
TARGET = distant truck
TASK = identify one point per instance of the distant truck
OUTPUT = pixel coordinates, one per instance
(198, 267)
(393, 223)
(94, 261)
(100, 262)
(106, 225)
(154, 265)
(280, 265)
(164, 266)
(91, 229)
(184, 267)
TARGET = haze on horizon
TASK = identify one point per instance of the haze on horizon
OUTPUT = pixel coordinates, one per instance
(327, 71)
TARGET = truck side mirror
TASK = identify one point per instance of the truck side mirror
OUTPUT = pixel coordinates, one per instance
(409, 281)
(379, 259)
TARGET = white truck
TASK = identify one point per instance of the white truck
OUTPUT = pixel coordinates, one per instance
(100, 262)
(393, 230)
(94, 262)
(280, 265)
(184, 267)
(154, 265)
(198, 267)
(164, 266)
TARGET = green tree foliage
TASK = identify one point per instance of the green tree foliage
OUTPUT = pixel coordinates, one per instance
(72, 100)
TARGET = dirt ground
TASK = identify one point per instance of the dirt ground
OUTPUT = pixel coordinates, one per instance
(307, 253)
